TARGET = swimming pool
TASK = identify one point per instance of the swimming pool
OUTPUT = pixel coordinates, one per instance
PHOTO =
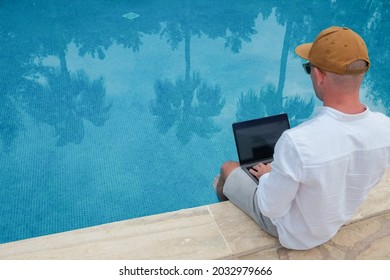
(111, 110)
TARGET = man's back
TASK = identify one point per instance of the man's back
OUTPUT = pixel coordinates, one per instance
(329, 163)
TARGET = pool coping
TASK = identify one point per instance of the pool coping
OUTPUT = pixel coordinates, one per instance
(215, 231)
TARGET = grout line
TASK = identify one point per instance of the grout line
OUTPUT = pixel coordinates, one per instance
(220, 232)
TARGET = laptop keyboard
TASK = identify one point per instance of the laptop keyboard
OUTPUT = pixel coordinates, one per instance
(249, 167)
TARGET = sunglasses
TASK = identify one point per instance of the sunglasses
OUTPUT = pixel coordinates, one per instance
(307, 67)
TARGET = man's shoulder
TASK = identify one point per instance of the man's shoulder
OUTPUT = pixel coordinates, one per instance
(380, 116)
(312, 125)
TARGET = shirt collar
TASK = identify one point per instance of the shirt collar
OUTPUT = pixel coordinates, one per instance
(343, 116)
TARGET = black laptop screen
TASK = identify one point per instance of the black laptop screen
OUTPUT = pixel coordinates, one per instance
(256, 139)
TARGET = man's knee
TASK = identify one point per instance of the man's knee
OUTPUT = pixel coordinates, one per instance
(228, 167)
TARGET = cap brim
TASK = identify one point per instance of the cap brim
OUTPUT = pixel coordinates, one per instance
(303, 50)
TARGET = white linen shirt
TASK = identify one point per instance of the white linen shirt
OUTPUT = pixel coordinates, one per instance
(322, 171)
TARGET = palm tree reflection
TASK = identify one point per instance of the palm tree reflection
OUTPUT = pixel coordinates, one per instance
(270, 99)
(297, 108)
(190, 104)
(66, 100)
(250, 106)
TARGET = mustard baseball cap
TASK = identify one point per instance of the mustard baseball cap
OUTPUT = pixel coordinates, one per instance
(334, 49)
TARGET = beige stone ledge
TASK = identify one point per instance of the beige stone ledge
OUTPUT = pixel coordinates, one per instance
(216, 231)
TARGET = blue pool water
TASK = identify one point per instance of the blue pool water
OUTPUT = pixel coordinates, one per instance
(111, 110)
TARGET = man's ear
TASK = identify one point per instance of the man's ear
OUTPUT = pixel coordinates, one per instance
(319, 75)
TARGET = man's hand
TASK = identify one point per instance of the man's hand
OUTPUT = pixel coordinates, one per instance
(260, 169)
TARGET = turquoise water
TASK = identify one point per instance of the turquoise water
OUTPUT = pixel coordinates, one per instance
(111, 110)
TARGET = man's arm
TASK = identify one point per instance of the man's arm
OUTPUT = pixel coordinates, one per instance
(278, 189)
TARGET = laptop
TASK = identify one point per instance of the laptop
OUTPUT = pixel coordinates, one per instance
(256, 139)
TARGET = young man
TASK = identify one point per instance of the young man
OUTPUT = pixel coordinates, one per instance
(324, 168)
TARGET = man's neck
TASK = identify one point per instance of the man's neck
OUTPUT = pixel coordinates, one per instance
(348, 109)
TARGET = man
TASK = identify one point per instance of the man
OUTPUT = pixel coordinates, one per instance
(324, 168)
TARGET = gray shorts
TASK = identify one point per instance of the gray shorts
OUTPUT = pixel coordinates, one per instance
(241, 191)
